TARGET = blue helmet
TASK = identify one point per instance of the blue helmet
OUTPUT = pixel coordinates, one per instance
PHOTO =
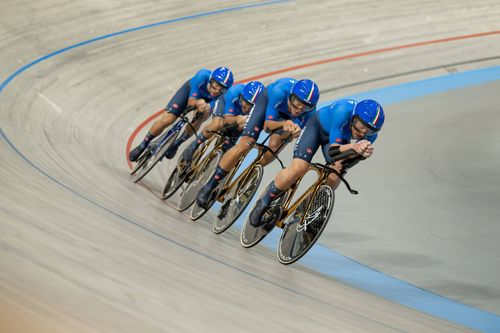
(370, 113)
(252, 91)
(222, 76)
(307, 92)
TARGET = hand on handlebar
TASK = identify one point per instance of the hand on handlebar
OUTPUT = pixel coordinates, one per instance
(294, 129)
(360, 146)
(368, 151)
(241, 120)
(202, 106)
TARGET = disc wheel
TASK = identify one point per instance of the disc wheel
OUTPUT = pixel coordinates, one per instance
(298, 237)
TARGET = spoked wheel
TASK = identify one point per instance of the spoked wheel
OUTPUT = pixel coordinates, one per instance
(153, 159)
(141, 161)
(297, 238)
(198, 180)
(176, 179)
(237, 200)
(250, 235)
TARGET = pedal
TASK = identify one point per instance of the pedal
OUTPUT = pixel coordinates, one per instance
(223, 210)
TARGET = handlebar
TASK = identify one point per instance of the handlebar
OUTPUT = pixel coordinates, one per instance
(225, 129)
(188, 109)
(330, 170)
(340, 156)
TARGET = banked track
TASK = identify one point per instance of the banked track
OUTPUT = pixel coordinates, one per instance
(84, 249)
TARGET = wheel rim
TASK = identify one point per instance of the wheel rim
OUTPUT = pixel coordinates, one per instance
(297, 238)
(153, 159)
(237, 204)
(194, 186)
(251, 236)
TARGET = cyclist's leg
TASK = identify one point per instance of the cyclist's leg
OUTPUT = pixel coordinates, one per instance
(304, 150)
(218, 110)
(276, 145)
(188, 132)
(215, 125)
(173, 109)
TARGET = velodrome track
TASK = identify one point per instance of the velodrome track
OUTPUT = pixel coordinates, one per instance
(83, 249)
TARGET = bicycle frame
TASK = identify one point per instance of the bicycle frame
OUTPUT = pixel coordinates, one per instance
(176, 128)
(312, 190)
(262, 149)
(323, 172)
(218, 145)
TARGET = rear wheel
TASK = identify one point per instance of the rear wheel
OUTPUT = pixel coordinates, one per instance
(298, 237)
(237, 200)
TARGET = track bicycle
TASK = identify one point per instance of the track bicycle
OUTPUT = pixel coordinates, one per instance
(184, 170)
(157, 148)
(302, 221)
(204, 168)
(236, 195)
(218, 194)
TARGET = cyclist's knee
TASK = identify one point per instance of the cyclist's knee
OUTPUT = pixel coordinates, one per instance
(333, 181)
(204, 117)
(275, 142)
(217, 124)
(167, 118)
(245, 143)
(298, 168)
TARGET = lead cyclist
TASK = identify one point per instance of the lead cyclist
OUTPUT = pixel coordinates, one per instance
(339, 127)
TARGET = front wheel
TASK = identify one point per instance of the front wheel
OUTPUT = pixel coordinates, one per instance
(303, 228)
(153, 158)
(198, 180)
(250, 235)
(175, 181)
(237, 200)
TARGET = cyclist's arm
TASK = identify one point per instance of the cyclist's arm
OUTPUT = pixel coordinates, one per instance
(276, 98)
(230, 119)
(195, 94)
(271, 125)
(192, 101)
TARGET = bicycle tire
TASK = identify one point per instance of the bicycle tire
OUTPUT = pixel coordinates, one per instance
(174, 182)
(238, 199)
(197, 212)
(153, 159)
(298, 238)
(250, 235)
(140, 162)
(197, 181)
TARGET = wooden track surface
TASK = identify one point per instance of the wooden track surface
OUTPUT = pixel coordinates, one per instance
(83, 249)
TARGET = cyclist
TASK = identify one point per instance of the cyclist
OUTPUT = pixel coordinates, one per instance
(231, 108)
(333, 127)
(200, 91)
(285, 103)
